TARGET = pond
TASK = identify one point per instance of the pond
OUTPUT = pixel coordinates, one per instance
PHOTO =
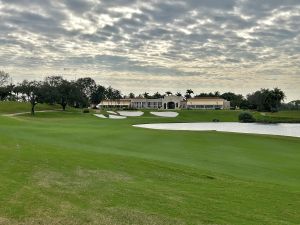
(283, 129)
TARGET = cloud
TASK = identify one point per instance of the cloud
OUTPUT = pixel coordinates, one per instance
(213, 40)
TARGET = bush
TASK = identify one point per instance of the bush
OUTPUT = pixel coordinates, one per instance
(216, 120)
(246, 117)
(85, 110)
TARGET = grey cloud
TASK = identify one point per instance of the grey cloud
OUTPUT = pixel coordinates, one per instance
(171, 37)
(213, 4)
(258, 8)
(78, 6)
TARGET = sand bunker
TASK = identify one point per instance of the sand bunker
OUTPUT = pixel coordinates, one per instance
(165, 114)
(115, 117)
(100, 116)
(130, 113)
(283, 129)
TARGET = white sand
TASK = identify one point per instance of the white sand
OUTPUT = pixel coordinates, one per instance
(100, 116)
(165, 114)
(130, 113)
(283, 129)
(117, 117)
(112, 112)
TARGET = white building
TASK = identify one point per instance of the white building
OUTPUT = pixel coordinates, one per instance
(167, 102)
(207, 103)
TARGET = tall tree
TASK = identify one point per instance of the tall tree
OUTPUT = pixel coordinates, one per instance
(57, 90)
(146, 95)
(4, 93)
(217, 94)
(98, 95)
(77, 97)
(32, 90)
(87, 85)
(235, 99)
(277, 97)
(157, 95)
(266, 100)
(188, 93)
(131, 95)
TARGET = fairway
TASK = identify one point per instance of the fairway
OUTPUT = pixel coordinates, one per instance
(75, 168)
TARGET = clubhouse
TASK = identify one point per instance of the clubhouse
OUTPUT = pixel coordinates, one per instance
(167, 102)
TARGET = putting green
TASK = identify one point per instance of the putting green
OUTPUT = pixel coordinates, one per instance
(74, 168)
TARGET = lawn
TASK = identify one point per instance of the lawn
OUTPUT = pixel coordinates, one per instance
(74, 168)
(281, 117)
(20, 107)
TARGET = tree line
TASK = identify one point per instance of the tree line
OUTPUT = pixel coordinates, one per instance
(80, 93)
(85, 92)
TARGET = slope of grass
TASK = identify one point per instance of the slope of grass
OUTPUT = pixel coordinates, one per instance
(73, 168)
(18, 107)
(228, 116)
(279, 117)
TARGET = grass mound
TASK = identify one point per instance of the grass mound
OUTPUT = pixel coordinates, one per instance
(19, 107)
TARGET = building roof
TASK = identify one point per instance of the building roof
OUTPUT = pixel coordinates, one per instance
(206, 99)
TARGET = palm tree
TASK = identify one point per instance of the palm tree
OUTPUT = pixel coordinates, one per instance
(278, 96)
(157, 95)
(217, 94)
(131, 95)
(109, 94)
(168, 93)
(189, 93)
(146, 95)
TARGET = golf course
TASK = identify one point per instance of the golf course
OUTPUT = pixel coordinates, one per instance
(75, 168)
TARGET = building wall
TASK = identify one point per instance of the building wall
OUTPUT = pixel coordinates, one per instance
(146, 103)
(207, 103)
(168, 102)
(115, 103)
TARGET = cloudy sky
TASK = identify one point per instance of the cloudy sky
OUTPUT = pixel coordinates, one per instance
(155, 45)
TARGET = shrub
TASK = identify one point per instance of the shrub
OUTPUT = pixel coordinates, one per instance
(216, 120)
(85, 110)
(246, 117)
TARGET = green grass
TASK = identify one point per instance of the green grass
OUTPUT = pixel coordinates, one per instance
(74, 168)
(19, 107)
(279, 117)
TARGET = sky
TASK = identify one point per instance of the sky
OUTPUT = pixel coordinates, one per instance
(155, 45)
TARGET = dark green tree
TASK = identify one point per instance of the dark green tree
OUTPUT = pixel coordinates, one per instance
(146, 95)
(235, 99)
(157, 95)
(188, 93)
(266, 100)
(33, 92)
(87, 86)
(98, 95)
(131, 95)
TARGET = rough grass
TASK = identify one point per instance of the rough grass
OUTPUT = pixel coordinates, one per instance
(74, 168)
